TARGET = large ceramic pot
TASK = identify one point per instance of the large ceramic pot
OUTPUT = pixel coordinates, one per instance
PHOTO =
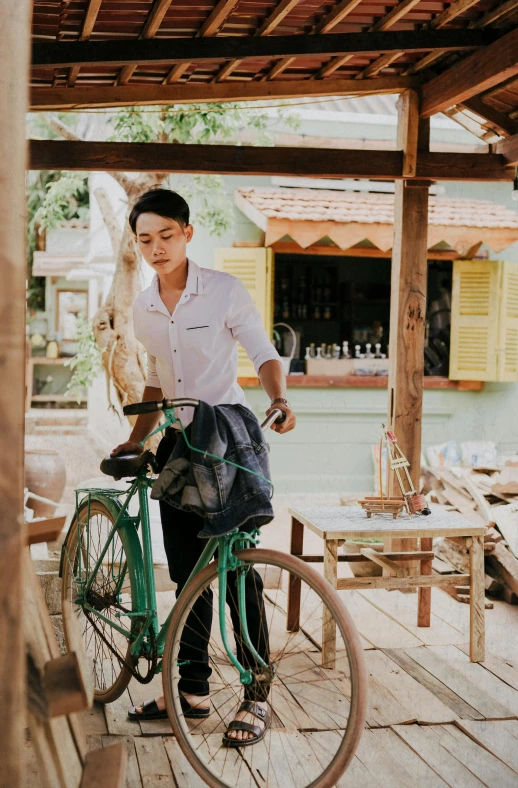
(45, 475)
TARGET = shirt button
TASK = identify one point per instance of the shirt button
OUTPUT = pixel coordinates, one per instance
(175, 350)
(179, 380)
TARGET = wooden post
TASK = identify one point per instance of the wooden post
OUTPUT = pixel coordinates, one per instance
(14, 72)
(294, 586)
(477, 600)
(408, 299)
(328, 622)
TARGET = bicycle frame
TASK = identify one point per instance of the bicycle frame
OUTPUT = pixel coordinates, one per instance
(146, 602)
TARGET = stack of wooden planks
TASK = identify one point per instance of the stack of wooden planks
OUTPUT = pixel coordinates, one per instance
(488, 497)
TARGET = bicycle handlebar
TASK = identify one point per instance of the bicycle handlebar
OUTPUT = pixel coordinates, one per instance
(137, 408)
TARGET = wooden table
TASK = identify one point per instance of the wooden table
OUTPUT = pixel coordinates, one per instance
(335, 524)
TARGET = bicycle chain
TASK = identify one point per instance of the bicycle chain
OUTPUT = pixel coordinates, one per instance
(134, 672)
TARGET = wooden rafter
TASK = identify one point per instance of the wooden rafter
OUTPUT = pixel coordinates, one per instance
(151, 26)
(473, 75)
(453, 11)
(86, 31)
(493, 119)
(162, 50)
(437, 22)
(275, 18)
(339, 12)
(385, 23)
(210, 27)
(251, 160)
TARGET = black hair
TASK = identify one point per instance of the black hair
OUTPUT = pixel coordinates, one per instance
(163, 202)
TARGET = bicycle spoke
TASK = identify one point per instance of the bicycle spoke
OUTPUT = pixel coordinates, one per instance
(303, 697)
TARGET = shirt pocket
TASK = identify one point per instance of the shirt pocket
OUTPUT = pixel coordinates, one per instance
(199, 340)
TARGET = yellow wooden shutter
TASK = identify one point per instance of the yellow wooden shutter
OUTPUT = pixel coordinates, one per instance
(254, 267)
(475, 319)
(508, 324)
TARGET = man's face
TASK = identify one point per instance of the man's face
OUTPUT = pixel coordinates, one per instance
(162, 242)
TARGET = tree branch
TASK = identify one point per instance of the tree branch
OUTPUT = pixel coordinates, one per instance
(110, 220)
(62, 129)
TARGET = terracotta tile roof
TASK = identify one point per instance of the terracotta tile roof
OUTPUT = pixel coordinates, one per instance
(318, 205)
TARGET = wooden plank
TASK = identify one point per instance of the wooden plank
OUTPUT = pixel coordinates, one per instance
(494, 120)
(416, 703)
(47, 530)
(375, 626)
(107, 96)
(392, 569)
(14, 62)
(106, 767)
(294, 584)
(132, 770)
(421, 774)
(486, 766)
(342, 9)
(447, 696)
(508, 148)
(93, 721)
(117, 717)
(499, 738)
(402, 608)
(184, 774)
(207, 47)
(221, 11)
(479, 675)
(477, 600)
(504, 669)
(399, 583)
(506, 519)
(459, 684)
(425, 743)
(472, 76)
(505, 562)
(424, 599)
(153, 763)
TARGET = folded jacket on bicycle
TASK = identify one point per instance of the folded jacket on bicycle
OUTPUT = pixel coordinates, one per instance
(226, 496)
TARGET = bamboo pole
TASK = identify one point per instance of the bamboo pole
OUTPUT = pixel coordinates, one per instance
(14, 72)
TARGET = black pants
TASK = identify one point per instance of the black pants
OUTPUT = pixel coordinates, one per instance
(183, 549)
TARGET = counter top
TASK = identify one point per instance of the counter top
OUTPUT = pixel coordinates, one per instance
(364, 381)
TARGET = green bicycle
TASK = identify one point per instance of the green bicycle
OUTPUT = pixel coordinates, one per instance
(317, 711)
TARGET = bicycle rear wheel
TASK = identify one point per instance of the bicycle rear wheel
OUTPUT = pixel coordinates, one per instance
(112, 594)
(317, 712)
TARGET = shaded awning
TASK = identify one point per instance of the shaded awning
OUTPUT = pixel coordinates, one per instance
(348, 218)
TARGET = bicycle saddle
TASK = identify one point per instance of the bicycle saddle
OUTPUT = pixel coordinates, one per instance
(127, 464)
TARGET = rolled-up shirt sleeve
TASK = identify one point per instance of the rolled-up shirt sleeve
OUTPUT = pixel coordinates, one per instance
(152, 376)
(246, 325)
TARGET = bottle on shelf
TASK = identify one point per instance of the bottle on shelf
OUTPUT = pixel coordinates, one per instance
(357, 352)
(317, 314)
(319, 353)
(345, 350)
(308, 353)
(336, 350)
(327, 313)
(378, 353)
(368, 351)
(312, 351)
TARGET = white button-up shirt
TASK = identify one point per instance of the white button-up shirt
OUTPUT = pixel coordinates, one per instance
(193, 352)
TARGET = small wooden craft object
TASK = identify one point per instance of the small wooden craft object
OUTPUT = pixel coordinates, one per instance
(397, 464)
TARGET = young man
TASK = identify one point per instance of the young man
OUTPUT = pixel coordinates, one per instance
(190, 320)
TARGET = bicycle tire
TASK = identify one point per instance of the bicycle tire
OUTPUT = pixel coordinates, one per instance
(350, 638)
(110, 692)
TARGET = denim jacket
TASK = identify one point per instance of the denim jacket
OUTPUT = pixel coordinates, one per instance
(225, 496)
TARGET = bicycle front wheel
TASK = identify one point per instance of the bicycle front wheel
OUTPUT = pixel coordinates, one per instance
(315, 685)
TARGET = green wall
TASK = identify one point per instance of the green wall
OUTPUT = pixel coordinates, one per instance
(330, 449)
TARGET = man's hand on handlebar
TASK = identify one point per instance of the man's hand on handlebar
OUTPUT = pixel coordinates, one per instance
(288, 423)
(129, 447)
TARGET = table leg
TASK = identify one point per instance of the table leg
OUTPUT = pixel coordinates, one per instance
(296, 548)
(29, 372)
(328, 623)
(476, 600)
(424, 598)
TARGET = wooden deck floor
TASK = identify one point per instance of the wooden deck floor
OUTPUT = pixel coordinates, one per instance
(434, 719)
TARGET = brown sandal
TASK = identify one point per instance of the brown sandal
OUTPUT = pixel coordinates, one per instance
(238, 725)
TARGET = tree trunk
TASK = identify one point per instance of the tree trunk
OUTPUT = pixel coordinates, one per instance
(123, 356)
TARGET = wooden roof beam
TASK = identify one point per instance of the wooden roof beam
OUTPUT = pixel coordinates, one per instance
(151, 25)
(46, 98)
(380, 63)
(450, 13)
(88, 25)
(508, 148)
(437, 22)
(339, 12)
(275, 18)
(473, 75)
(502, 124)
(178, 50)
(251, 160)
(210, 27)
